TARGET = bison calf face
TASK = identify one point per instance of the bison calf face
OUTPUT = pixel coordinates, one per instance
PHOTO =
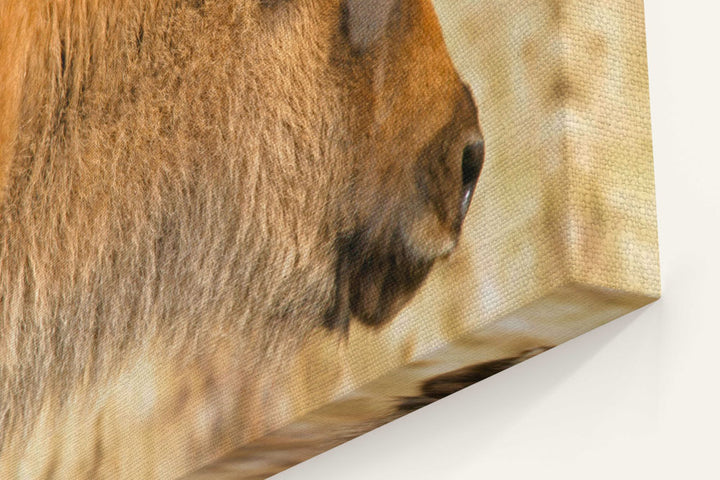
(417, 153)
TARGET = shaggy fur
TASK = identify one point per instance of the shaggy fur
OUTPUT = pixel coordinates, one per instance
(175, 173)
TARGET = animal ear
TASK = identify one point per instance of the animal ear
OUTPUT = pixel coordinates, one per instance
(365, 21)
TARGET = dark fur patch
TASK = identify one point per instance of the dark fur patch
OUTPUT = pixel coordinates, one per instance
(372, 280)
(448, 383)
(270, 4)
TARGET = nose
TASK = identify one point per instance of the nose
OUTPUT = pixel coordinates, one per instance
(472, 161)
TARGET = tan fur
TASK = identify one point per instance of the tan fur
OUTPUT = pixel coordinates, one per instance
(179, 176)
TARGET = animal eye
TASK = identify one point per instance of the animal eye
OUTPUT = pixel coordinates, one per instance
(472, 160)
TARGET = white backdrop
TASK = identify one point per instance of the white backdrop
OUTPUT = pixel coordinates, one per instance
(638, 398)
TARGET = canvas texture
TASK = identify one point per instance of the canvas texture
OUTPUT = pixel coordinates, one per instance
(560, 236)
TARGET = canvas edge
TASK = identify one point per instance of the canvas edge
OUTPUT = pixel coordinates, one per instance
(585, 306)
(611, 243)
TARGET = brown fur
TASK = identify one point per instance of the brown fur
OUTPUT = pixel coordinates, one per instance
(178, 173)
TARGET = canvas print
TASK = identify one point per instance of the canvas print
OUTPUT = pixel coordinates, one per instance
(237, 233)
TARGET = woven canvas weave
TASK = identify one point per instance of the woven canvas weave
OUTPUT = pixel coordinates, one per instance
(560, 237)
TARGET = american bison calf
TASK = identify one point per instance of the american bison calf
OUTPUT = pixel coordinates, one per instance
(173, 174)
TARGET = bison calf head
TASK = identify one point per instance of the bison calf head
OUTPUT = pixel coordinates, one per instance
(217, 169)
(416, 152)
(231, 162)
